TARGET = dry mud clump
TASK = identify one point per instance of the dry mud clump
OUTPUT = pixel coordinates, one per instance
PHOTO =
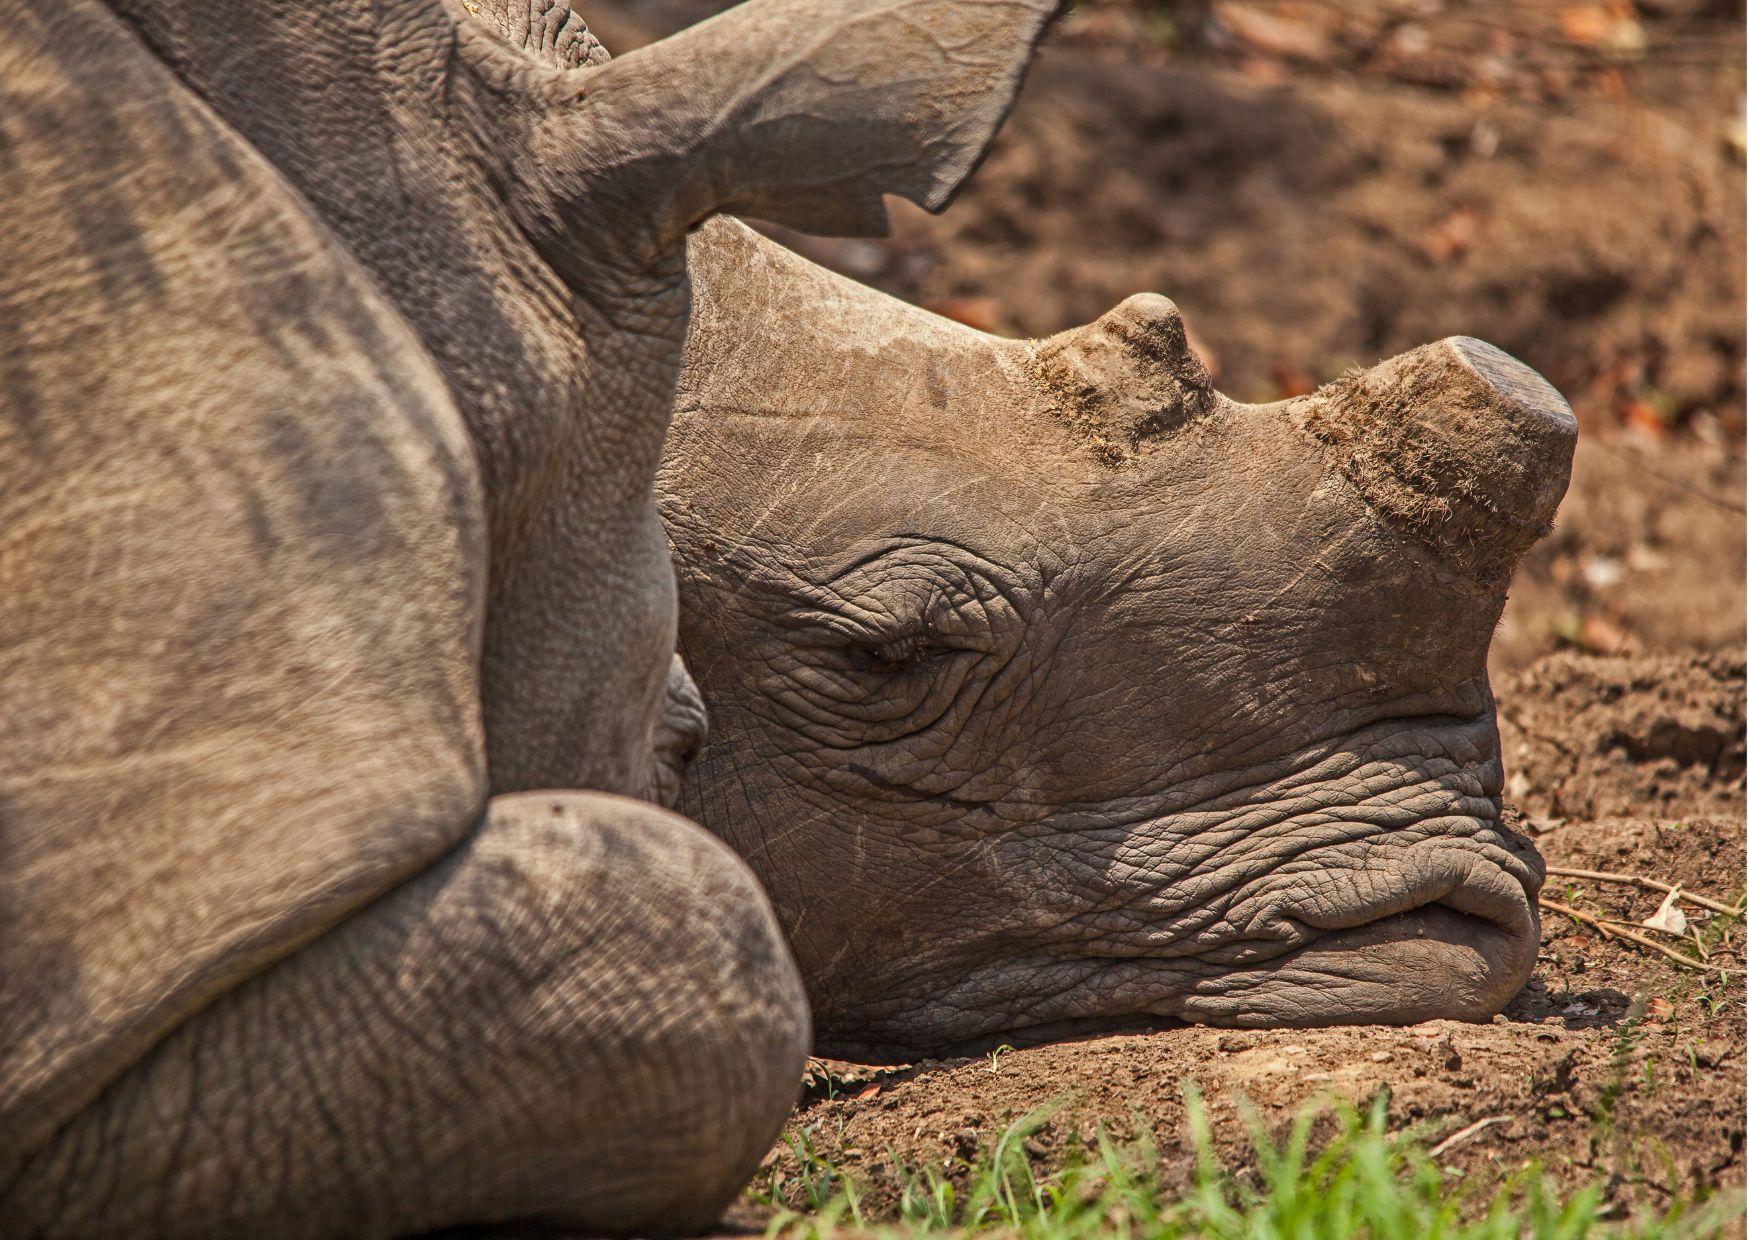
(1588, 737)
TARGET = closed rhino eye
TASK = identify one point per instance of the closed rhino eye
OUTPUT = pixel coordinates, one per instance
(899, 653)
(890, 648)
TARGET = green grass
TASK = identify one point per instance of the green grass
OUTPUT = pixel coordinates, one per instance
(1362, 1182)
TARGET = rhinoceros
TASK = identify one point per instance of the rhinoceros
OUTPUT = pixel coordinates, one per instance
(337, 344)
(1051, 691)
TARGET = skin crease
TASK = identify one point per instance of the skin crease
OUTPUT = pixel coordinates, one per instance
(337, 345)
(1051, 690)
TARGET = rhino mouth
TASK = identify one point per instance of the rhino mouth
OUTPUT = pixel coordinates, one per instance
(1492, 885)
(1455, 937)
(1430, 963)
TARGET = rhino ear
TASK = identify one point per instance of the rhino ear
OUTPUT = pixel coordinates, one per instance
(798, 112)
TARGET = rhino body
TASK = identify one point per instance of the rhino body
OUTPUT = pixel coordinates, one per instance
(1052, 691)
(337, 344)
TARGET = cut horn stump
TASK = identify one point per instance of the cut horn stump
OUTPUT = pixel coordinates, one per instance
(1457, 443)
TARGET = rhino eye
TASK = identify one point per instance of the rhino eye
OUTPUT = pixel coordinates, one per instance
(899, 653)
(892, 646)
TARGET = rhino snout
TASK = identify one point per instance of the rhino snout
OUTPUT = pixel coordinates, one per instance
(1442, 929)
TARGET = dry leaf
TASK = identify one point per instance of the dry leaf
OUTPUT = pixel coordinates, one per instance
(1601, 635)
(1668, 918)
(1272, 34)
(1585, 23)
(1610, 28)
(1451, 237)
(1646, 420)
(982, 313)
(1291, 380)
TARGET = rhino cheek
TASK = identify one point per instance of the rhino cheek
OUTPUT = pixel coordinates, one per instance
(1374, 885)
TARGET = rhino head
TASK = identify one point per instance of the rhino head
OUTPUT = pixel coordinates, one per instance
(1051, 690)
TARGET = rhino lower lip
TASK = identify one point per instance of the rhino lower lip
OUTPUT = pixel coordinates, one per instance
(1441, 917)
(1436, 929)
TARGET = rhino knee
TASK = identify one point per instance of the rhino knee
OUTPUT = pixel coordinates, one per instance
(674, 1002)
(585, 1015)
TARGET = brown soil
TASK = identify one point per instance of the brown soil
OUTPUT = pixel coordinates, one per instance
(1589, 737)
(1646, 554)
(1319, 185)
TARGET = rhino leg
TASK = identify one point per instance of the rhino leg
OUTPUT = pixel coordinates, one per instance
(584, 1016)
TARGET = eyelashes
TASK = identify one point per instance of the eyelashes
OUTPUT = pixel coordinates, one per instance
(899, 653)
(892, 629)
(880, 644)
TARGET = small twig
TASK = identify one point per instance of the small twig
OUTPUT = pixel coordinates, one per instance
(1699, 943)
(1728, 505)
(1613, 932)
(1462, 1135)
(1647, 884)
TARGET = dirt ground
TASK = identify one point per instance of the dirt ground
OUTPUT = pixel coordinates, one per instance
(1319, 185)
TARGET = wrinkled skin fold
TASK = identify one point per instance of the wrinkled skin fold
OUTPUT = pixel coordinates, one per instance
(1051, 690)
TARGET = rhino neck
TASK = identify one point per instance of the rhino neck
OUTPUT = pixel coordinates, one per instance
(366, 115)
